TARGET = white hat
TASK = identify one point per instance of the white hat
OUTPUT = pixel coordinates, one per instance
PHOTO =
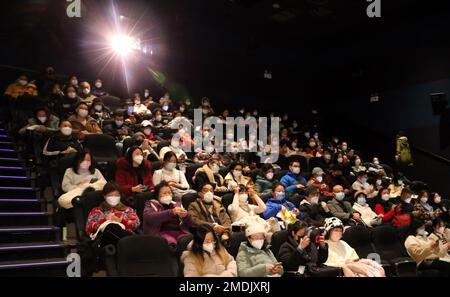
(317, 171)
(331, 223)
(254, 228)
(146, 123)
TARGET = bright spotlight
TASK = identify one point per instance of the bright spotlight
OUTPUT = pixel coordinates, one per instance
(122, 44)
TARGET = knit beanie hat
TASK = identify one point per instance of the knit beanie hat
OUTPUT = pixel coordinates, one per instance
(331, 223)
(254, 228)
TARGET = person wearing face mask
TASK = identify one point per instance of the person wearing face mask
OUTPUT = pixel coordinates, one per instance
(206, 256)
(358, 166)
(313, 149)
(73, 81)
(242, 212)
(118, 129)
(17, 88)
(68, 102)
(62, 143)
(265, 181)
(139, 109)
(396, 187)
(293, 180)
(429, 252)
(111, 220)
(315, 211)
(209, 173)
(86, 95)
(99, 111)
(208, 209)
(134, 173)
(422, 207)
(206, 107)
(368, 217)
(337, 178)
(442, 234)
(166, 108)
(150, 135)
(317, 181)
(38, 130)
(97, 89)
(384, 207)
(360, 183)
(157, 120)
(342, 209)
(165, 217)
(174, 177)
(82, 123)
(325, 162)
(341, 254)
(299, 250)
(81, 176)
(175, 146)
(235, 177)
(280, 208)
(440, 206)
(254, 258)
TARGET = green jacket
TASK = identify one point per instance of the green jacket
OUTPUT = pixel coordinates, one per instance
(404, 151)
(251, 262)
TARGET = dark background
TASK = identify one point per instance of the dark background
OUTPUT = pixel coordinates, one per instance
(323, 54)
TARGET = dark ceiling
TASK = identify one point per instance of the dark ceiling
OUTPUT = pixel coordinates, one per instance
(215, 46)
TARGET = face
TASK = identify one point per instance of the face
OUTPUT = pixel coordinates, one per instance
(164, 191)
(206, 189)
(385, 192)
(82, 107)
(337, 189)
(257, 236)
(172, 160)
(40, 113)
(294, 166)
(209, 238)
(337, 173)
(118, 118)
(65, 124)
(277, 190)
(137, 153)
(56, 88)
(336, 234)
(300, 233)
(113, 194)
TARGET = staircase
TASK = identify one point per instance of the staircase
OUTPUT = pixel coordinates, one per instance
(29, 244)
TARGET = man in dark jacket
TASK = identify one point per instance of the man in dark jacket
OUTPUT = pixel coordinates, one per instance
(298, 250)
(343, 209)
(314, 211)
(336, 178)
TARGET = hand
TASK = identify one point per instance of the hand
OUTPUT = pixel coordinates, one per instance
(83, 133)
(41, 128)
(276, 269)
(323, 186)
(397, 157)
(219, 229)
(300, 186)
(393, 207)
(304, 242)
(251, 192)
(321, 240)
(296, 211)
(172, 183)
(269, 267)
(221, 189)
(434, 243)
(356, 216)
(137, 189)
(246, 169)
(346, 191)
(176, 210)
(236, 190)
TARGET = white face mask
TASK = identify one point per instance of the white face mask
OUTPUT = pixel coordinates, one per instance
(424, 199)
(422, 232)
(71, 95)
(182, 109)
(98, 107)
(340, 160)
(379, 182)
(257, 244)
(237, 173)
(344, 147)
(327, 157)
(376, 162)
(385, 197)
(74, 82)
(243, 198)
(171, 166)
(119, 123)
(208, 197)
(357, 162)
(166, 200)
(147, 131)
(158, 118)
(314, 200)
(138, 159)
(441, 230)
(437, 200)
(112, 200)
(146, 94)
(269, 175)
(215, 168)
(22, 82)
(86, 91)
(66, 131)
(296, 170)
(165, 108)
(98, 85)
(209, 247)
(82, 113)
(42, 119)
(319, 179)
(408, 200)
(312, 144)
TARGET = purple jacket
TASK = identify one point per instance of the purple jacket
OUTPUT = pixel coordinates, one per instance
(157, 219)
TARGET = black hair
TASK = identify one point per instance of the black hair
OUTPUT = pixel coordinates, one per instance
(295, 161)
(141, 170)
(159, 186)
(200, 188)
(44, 109)
(79, 157)
(81, 103)
(234, 164)
(311, 190)
(415, 224)
(109, 187)
(361, 173)
(437, 221)
(167, 156)
(199, 238)
(266, 167)
(296, 226)
(276, 185)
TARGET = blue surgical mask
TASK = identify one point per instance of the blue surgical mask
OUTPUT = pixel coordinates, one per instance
(363, 180)
(340, 196)
(280, 195)
(361, 201)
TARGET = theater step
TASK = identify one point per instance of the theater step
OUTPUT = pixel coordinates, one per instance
(12, 170)
(6, 145)
(17, 192)
(23, 234)
(15, 181)
(8, 153)
(31, 251)
(16, 162)
(8, 205)
(38, 267)
(25, 218)
(4, 137)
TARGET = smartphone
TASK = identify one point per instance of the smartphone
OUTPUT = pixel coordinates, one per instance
(145, 187)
